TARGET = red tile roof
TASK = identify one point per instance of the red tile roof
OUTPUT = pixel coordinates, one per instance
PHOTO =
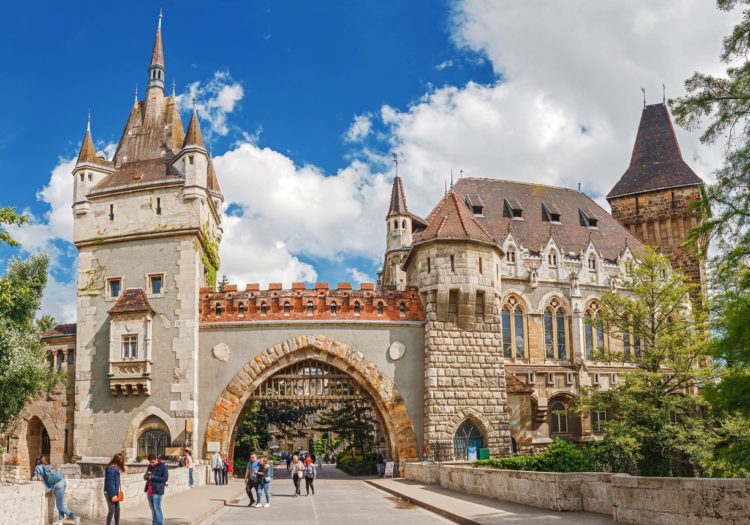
(61, 330)
(657, 161)
(133, 300)
(452, 219)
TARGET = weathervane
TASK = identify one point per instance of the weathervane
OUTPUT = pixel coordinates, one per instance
(644, 96)
(663, 94)
(395, 161)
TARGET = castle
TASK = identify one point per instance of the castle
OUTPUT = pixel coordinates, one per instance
(482, 328)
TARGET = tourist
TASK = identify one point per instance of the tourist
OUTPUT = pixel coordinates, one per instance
(298, 472)
(113, 488)
(216, 466)
(230, 469)
(189, 464)
(264, 475)
(288, 462)
(54, 480)
(156, 477)
(320, 461)
(251, 483)
(224, 469)
(380, 464)
(310, 474)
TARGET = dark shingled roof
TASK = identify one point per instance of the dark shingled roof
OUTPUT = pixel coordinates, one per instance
(657, 161)
(61, 330)
(132, 301)
(398, 199)
(609, 237)
(194, 137)
(451, 219)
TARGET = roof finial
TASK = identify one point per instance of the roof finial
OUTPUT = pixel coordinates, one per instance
(445, 181)
(663, 94)
(88, 122)
(579, 187)
(451, 179)
(193, 103)
(160, 15)
(174, 85)
(644, 96)
(136, 94)
(461, 173)
(395, 161)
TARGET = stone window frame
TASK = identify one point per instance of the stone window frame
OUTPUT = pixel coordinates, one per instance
(132, 351)
(558, 418)
(595, 336)
(149, 276)
(511, 255)
(555, 306)
(287, 308)
(597, 417)
(480, 299)
(333, 308)
(512, 304)
(108, 289)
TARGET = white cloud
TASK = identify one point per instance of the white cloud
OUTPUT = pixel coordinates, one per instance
(360, 128)
(214, 99)
(359, 276)
(445, 64)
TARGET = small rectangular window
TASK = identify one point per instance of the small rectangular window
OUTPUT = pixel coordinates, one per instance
(111, 212)
(129, 346)
(91, 177)
(453, 304)
(637, 207)
(453, 264)
(156, 283)
(81, 177)
(674, 203)
(429, 265)
(480, 265)
(190, 160)
(158, 206)
(479, 306)
(115, 287)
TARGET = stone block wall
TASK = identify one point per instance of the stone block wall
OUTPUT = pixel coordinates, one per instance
(25, 504)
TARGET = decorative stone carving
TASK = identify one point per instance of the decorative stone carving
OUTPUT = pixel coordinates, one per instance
(221, 352)
(397, 350)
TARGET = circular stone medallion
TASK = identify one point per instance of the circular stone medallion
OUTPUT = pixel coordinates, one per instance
(221, 352)
(397, 350)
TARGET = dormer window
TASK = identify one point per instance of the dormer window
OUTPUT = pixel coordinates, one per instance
(510, 255)
(592, 262)
(475, 205)
(587, 218)
(552, 258)
(512, 209)
(550, 213)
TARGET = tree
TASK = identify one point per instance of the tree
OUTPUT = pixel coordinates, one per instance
(224, 281)
(722, 104)
(253, 433)
(353, 422)
(658, 424)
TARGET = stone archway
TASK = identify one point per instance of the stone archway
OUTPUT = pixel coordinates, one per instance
(222, 423)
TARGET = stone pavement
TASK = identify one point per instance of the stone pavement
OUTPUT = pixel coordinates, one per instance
(468, 509)
(189, 507)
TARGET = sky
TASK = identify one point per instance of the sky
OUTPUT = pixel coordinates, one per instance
(303, 102)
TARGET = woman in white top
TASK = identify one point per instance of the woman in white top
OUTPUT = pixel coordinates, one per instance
(298, 471)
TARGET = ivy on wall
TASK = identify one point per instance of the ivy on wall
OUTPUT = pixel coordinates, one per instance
(210, 255)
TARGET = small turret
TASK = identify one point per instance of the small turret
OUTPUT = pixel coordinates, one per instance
(91, 168)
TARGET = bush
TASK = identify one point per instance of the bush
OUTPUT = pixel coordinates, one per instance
(356, 465)
(559, 456)
(138, 459)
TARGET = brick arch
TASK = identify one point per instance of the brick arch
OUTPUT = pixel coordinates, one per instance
(390, 406)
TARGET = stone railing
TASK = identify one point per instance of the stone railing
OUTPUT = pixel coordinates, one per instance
(628, 499)
(27, 504)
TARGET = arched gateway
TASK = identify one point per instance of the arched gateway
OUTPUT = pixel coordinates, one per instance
(386, 400)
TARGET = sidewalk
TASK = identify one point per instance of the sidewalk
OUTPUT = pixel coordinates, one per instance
(186, 508)
(472, 510)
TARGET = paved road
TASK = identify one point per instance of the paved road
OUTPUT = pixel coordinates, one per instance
(338, 500)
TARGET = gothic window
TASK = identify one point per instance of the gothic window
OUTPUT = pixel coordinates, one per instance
(379, 309)
(129, 346)
(310, 308)
(333, 309)
(592, 262)
(287, 308)
(402, 310)
(356, 309)
(467, 435)
(595, 337)
(263, 309)
(479, 306)
(555, 331)
(558, 418)
(510, 256)
(91, 177)
(395, 225)
(552, 258)
(514, 330)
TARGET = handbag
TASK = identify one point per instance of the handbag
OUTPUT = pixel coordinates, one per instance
(120, 496)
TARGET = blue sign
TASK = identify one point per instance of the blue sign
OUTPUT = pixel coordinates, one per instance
(471, 453)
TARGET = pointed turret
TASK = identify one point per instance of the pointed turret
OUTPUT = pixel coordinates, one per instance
(656, 162)
(87, 153)
(156, 66)
(398, 199)
(194, 137)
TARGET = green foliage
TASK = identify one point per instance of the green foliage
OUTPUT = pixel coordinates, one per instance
(285, 418)
(356, 465)
(139, 458)
(253, 433)
(10, 217)
(24, 371)
(210, 255)
(559, 456)
(224, 281)
(353, 422)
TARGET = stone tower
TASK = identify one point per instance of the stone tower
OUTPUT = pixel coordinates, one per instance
(454, 263)
(147, 226)
(655, 197)
(400, 228)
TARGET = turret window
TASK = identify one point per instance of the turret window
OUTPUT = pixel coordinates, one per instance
(552, 258)
(403, 224)
(452, 305)
(81, 177)
(158, 205)
(91, 177)
(111, 212)
(453, 263)
(479, 307)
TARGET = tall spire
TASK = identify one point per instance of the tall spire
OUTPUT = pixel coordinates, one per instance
(87, 153)
(156, 66)
(398, 198)
(194, 137)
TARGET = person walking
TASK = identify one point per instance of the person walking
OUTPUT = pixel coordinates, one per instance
(156, 477)
(216, 466)
(54, 481)
(230, 468)
(298, 472)
(289, 462)
(190, 465)
(264, 475)
(250, 479)
(310, 474)
(224, 469)
(380, 464)
(113, 488)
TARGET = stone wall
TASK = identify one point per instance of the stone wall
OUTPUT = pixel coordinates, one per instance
(24, 504)
(628, 499)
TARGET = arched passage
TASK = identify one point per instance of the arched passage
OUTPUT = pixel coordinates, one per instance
(386, 400)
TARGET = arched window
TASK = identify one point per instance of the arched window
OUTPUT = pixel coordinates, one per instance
(402, 310)
(592, 262)
(310, 308)
(555, 331)
(379, 309)
(510, 255)
(287, 308)
(514, 329)
(403, 224)
(558, 415)
(552, 258)
(467, 435)
(241, 309)
(594, 333)
(334, 308)
(263, 308)
(155, 441)
(356, 308)
(217, 309)
(46, 443)
(395, 225)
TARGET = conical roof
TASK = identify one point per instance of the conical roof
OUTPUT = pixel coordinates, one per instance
(398, 199)
(213, 181)
(157, 54)
(193, 137)
(87, 153)
(656, 162)
(451, 219)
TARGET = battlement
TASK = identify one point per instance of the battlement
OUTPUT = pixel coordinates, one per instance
(300, 303)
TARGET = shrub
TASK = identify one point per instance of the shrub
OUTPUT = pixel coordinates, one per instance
(559, 456)
(138, 459)
(356, 465)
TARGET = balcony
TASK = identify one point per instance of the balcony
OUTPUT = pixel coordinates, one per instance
(130, 378)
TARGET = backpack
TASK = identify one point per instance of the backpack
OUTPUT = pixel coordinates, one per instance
(310, 470)
(51, 475)
(268, 478)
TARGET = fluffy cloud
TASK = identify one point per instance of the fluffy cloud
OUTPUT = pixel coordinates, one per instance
(567, 101)
(214, 100)
(359, 129)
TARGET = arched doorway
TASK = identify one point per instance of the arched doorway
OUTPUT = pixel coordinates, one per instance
(37, 441)
(467, 435)
(355, 371)
(153, 436)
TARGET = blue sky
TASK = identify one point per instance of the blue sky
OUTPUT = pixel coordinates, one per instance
(303, 102)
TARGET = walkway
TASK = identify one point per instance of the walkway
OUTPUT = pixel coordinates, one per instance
(189, 507)
(463, 508)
